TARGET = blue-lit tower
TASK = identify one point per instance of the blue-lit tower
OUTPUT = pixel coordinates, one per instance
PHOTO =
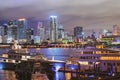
(21, 30)
(53, 29)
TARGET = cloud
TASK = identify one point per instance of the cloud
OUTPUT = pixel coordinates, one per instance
(71, 13)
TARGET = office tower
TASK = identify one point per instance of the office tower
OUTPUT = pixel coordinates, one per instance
(12, 22)
(66, 34)
(11, 31)
(22, 26)
(1, 33)
(46, 26)
(60, 32)
(53, 29)
(70, 38)
(29, 35)
(33, 23)
(5, 26)
(41, 31)
(78, 32)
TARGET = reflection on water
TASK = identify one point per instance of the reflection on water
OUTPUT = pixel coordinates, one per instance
(67, 76)
(62, 76)
(58, 53)
(7, 75)
(10, 75)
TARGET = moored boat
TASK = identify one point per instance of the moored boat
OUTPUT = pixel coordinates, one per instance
(96, 59)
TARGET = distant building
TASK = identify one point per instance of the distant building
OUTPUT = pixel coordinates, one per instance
(29, 35)
(78, 32)
(70, 38)
(66, 35)
(4, 37)
(12, 22)
(33, 23)
(22, 26)
(53, 29)
(41, 32)
(60, 32)
(37, 39)
(1, 33)
(11, 31)
(116, 30)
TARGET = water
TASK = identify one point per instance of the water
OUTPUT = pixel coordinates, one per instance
(58, 53)
(7, 75)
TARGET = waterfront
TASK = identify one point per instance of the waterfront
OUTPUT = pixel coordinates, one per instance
(63, 54)
(58, 53)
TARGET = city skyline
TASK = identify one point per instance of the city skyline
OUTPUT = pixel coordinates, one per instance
(91, 15)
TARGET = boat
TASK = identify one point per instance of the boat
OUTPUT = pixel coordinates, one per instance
(14, 56)
(105, 60)
(17, 55)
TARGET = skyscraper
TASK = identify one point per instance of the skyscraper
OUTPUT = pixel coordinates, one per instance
(29, 35)
(1, 33)
(11, 33)
(60, 32)
(41, 31)
(22, 26)
(78, 32)
(53, 29)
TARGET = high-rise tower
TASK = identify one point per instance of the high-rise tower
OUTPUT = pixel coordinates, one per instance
(53, 29)
(78, 33)
(41, 31)
(11, 33)
(22, 26)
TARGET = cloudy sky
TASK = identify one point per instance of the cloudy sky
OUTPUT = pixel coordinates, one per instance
(91, 14)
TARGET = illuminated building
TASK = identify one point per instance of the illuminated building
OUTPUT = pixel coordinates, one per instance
(78, 32)
(29, 35)
(40, 32)
(60, 32)
(111, 39)
(12, 22)
(66, 34)
(53, 29)
(1, 33)
(116, 30)
(98, 59)
(4, 37)
(22, 26)
(37, 39)
(11, 31)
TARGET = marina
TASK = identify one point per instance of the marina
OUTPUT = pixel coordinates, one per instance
(80, 61)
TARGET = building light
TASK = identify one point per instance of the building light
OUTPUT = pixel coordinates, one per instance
(98, 52)
(110, 58)
(53, 16)
(83, 63)
(21, 19)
